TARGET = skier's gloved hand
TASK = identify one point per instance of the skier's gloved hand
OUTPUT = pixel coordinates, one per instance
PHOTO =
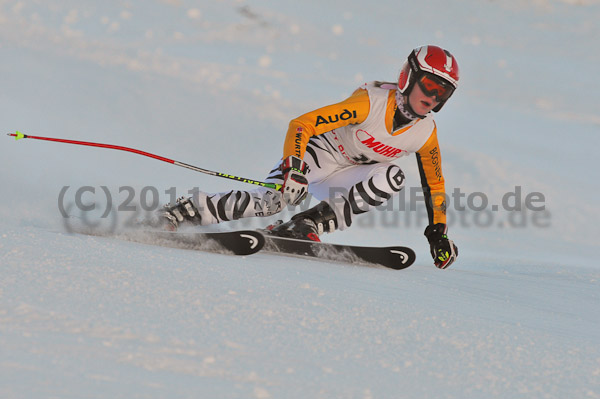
(295, 185)
(443, 250)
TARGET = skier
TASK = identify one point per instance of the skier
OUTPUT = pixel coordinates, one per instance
(342, 153)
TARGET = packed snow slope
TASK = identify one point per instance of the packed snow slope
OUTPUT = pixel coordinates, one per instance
(214, 84)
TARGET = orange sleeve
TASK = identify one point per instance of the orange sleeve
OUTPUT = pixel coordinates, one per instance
(352, 110)
(429, 160)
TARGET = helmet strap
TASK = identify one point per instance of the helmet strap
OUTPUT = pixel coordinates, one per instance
(404, 107)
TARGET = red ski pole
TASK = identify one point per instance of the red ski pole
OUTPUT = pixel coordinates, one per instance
(18, 135)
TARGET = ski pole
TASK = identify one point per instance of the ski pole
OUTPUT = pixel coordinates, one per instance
(18, 135)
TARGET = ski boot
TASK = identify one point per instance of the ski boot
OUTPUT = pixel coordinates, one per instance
(182, 211)
(307, 225)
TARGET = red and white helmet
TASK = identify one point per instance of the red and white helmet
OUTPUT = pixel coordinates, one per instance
(434, 69)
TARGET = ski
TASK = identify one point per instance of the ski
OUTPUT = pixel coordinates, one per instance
(240, 242)
(248, 242)
(396, 257)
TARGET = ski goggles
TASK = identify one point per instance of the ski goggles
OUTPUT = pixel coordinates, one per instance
(434, 86)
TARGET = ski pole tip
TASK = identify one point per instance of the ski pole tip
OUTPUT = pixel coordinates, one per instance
(17, 135)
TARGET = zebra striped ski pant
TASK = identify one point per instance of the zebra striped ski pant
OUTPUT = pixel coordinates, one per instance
(350, 189)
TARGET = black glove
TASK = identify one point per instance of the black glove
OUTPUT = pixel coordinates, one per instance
(295, 185)
(443, 250)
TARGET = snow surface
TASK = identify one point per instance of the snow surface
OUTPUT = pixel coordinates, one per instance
(214, 84)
